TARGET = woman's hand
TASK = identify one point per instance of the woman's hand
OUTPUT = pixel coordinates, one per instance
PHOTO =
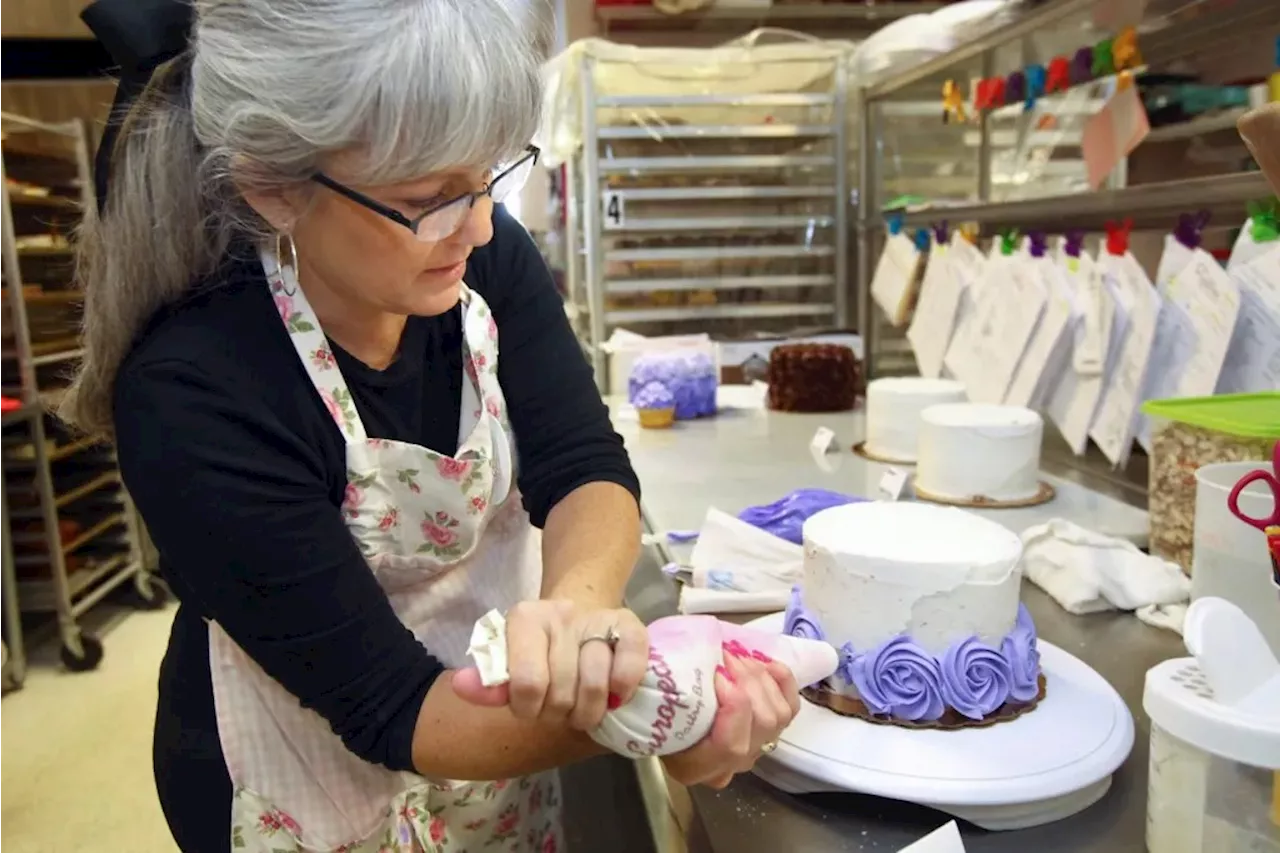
(758, 698)
(564, 666)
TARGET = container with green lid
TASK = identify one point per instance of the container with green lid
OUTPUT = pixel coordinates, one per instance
(1193, 431)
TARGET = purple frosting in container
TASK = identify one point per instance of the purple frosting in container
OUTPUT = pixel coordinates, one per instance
(976, 679)
(901, 679)
(798, 622)
(653, 395)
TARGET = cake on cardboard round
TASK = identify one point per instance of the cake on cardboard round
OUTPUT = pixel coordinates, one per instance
(921, 603)
(980, 454)
(894, 405)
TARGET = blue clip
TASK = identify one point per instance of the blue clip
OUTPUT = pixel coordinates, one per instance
(922, 239)
(1035, 85)
(895, 224)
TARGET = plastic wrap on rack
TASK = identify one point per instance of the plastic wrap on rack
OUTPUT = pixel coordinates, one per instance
(661, 91)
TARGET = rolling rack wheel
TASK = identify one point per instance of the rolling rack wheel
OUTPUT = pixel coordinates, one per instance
(81, 652)
(149, 591)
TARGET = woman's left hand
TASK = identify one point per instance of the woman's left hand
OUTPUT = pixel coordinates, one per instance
(568, 663)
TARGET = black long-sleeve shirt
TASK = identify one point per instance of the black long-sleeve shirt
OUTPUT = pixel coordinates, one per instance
(239, 472)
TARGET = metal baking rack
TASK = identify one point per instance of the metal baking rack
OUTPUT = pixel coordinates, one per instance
(701, 208)
(72, 535)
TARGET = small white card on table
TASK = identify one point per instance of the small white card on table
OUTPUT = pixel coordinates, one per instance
(892, 482)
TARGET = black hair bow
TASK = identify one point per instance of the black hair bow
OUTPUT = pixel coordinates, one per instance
(140, 35)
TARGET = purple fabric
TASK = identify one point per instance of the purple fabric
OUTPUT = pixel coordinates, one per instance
(900, 679)
(785, 518)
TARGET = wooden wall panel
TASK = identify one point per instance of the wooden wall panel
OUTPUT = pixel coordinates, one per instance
(44, 19)
(59, 100)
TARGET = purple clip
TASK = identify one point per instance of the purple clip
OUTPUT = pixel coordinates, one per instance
(941, 233)
(1037, 242)
(1074, 242)
(1082, 66)
(1190, 228)
(1015, 87)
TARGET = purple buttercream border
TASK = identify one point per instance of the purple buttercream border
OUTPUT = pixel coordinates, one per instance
(900, 679)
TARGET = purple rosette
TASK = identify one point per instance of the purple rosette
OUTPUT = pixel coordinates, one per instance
(798, 622)
(976, 679)
(900, 679)
(1020, 650)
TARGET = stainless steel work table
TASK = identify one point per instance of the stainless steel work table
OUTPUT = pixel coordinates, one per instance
(745, 457)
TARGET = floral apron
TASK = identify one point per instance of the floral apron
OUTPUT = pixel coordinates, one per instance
(448, 540)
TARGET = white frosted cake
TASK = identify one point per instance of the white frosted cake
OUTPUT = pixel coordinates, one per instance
(921, 602)
(980, 453)
(894, 405)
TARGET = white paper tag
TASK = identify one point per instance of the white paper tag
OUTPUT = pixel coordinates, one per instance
(944, 839)
(822, 441)
(1089, 353)
(1253, 359)
(892, 482)
(895, 276)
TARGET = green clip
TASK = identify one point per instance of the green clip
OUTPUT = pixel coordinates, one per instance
(1104, 63)
(1264, 221)
(1009, 241)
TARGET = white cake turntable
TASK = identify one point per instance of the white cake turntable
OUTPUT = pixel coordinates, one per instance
(1043, 766)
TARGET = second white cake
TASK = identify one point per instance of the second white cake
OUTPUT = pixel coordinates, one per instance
(894, 405)
(979, 453)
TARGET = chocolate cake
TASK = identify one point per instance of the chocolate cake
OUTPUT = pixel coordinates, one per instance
(813, 378)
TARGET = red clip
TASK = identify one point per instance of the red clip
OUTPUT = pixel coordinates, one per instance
(990, 94)
(1059, 77)
(1118, 236)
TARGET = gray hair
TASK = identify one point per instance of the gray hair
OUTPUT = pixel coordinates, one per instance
(268, 88)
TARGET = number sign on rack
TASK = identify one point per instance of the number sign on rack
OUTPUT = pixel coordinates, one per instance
(615, 210)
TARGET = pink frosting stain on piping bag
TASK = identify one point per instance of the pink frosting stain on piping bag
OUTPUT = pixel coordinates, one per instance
(675, 704)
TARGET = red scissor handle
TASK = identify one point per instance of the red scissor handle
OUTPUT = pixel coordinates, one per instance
(1272, 481)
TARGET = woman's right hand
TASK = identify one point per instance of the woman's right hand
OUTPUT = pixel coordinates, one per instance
(758, 698)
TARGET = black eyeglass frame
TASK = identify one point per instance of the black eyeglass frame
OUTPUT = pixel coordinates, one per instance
(531, 152)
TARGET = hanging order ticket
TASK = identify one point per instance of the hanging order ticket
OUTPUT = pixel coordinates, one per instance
(1253, 359)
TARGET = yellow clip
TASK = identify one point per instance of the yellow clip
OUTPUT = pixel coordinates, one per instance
(1124, 50)
(952, 102)
(1123, 81)
(969, 232)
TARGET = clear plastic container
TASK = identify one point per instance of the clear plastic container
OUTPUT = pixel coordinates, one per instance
(1188, 434)
(1231, 558)
(1212, 777)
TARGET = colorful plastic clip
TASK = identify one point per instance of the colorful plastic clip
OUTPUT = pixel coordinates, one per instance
(1190, 228)
(1125, 52)
(1059, 76)
(1074, 242)
(1035, 85)
(1037, 243)
(953, 103)
(1009, 241)
(1082, 66)
(941, 234)
(1103, 65)
(1118, 236)
(1015, 87)
(922, 239)
(1264, 221)
(894, 224)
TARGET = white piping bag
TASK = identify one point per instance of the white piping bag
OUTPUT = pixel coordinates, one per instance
(675, 704)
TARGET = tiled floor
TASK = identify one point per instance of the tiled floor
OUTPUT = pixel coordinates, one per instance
(77, 757)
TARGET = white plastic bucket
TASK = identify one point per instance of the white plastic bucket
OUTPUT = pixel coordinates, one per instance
(1231, 559)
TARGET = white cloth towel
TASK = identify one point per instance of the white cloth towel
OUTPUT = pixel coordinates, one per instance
(738, 568)
(1087, 572)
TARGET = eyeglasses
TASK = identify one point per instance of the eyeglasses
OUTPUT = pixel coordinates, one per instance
(444, 219)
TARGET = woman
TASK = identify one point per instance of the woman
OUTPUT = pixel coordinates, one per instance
(314, 414)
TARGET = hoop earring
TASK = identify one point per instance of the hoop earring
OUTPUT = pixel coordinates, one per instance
(293, 253)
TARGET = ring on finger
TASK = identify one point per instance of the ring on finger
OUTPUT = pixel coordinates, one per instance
(768, 747)
(610, 638)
